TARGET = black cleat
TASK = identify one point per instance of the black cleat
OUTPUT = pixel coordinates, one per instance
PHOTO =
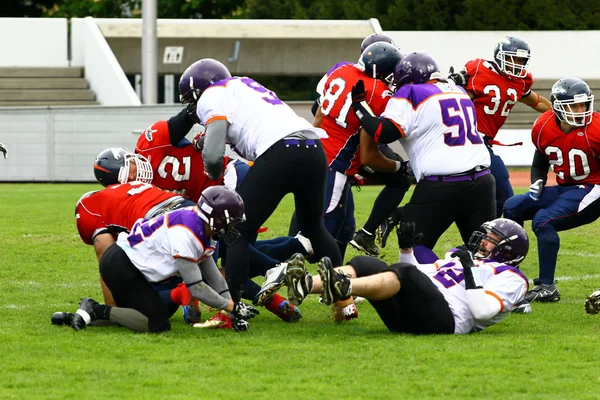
(592, 303)
(385, 229)
(336, 285)
(84, 315)
(543, 293)
(62, 318)
(298, 281)
(365, 242)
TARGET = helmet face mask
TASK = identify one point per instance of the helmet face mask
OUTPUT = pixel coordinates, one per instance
(510, 242)
(572, 101)
(512, 55)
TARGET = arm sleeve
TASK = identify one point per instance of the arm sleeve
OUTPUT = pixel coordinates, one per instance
(482, 305)
(381, 130)
(191, 275)
(539, 167)
(315, 107)
(214, 278)
(179, 126)
(214, 148)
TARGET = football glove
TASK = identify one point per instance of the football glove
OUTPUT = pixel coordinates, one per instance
(239, 325)
(244, 311)
(407, 238)
(535, 190)
(460, 78)
(358, 92)
(3, 149)
(472, 275)
(198, 141)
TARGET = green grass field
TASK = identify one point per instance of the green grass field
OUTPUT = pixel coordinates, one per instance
(44, 267)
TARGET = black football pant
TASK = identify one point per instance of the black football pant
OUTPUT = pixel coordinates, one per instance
(289, 166)
(435, 205)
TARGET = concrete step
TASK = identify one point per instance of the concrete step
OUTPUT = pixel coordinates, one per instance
(19, 72)
(21, 103)
(47, 94)
(46, 83)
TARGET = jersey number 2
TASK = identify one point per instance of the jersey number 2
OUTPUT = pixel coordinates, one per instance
(573, 154)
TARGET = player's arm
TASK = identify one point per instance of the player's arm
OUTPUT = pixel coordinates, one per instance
(214, 147)
(535, 101)
(192, 277)
(539, 167)
(315, 107)
(179, 126)
(372, 157)
(102, 242)
(318, 119)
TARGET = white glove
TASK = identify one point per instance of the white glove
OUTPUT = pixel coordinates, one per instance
(3, 149)
(535, 190)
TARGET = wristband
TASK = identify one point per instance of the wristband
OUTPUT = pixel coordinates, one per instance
(538, 101)
(398, 166)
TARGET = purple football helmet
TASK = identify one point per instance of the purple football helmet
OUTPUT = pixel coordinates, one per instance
(511, 247)
(374, 38)
(415, 68)
(199, 76)
(222, 209)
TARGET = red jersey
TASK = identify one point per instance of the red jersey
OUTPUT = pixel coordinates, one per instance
(116, 208)
(176, 169)
(495, 94)
(573, 156)
(340, 122)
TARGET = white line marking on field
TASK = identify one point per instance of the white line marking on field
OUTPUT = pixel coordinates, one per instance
(579, 254)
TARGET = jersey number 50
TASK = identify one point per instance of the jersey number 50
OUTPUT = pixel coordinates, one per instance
(459, 114)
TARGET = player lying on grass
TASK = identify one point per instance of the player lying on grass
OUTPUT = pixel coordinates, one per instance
(179, 242)
(474, 287)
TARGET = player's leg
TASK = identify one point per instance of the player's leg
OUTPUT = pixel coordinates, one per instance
(431, 209)
(522, 207)
(504, 190)
(478, 205)
(575, 206)
(283, 247)
(309, 198)
(337, 194)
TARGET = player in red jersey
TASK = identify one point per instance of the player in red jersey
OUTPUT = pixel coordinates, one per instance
(495, 87)
(567, 139)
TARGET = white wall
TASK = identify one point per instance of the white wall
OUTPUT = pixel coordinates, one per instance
(102, 70)
(553, 54)
(33, 42)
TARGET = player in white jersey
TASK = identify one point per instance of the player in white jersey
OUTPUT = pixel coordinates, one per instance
(437, 124)
(472, 288)
(176, 243)
(286, 150)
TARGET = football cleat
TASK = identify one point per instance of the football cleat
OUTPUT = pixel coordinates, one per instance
(84, 315)
(284, 309)
(274, 279)
(364, 242)
(192, 313)
(220, 320)
(336, 285)
(298, 281)
(543, 293)
(592, 303)
(62, 318)
(385, 229)
(523, 307)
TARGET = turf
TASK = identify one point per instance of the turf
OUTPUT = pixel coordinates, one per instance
(44, 267)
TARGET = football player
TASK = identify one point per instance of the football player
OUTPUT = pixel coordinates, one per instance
(178, 167)
(495, 87)
(177, 243)
(436, 122)
(567, 139)
(266, 131)
(472, 288)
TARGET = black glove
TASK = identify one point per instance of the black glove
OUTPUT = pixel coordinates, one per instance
(469, 268)
(239, 325)
(406, 235)
(244, 311)
(191, 111)
(460, 78)
(358, 92)
(406, 169)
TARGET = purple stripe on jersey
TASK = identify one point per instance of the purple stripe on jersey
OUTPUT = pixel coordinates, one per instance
(223, 82)
(336, 66)
(415, 94)
(505, 267)
(424, 255)
(188, 219)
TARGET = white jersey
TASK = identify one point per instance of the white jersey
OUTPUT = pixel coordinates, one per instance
(439, 129)
(153, 246)
(504, 282)
(258, 118)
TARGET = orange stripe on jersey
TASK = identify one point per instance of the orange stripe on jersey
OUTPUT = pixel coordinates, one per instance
(497, 298)
(186, 258)
(216, 118)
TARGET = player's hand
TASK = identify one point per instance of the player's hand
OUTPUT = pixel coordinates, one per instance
(198, 141)
(535, 190)
(406, 169)
(239, 325)
(358, 92)
(460, 78)
(244, 311)
(407, 238)
(3, 149)
(466, 259)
